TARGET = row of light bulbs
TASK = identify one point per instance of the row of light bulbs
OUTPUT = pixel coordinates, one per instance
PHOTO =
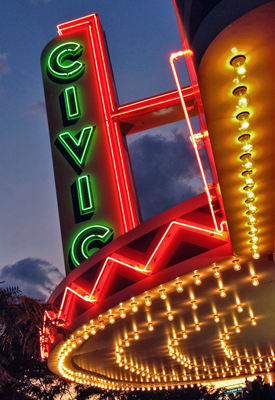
(240, 68)
(110, 316)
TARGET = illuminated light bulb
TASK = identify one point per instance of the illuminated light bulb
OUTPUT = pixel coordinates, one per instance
(197, 279)
(226, 335)
(179, 286)
(241, 96)
(176, 343)
(197, 327)
(255, 281)
(247, 162)
(250, 196)
(254, 247)
(127, 343)
(256, 255)
(136, 335)
(162, 294)
(240, 308)
(86, 335)
(134, 305)
(222, 292)
(101, 323)
(121, 350)
(246, 144)
(122, 312)
(247, 178)
(216, 272)
(148, 301)
(238, 330)
(252, 231)
(253, 321)
(254, 240)
(184, 335)
(216, 318)
(170, 316)
(251, 209)
(111, 317)
(240, 69)
(237, 265)
(251, 219)
(244, 124)
(260, 359)
(150, 326)
(194, 305)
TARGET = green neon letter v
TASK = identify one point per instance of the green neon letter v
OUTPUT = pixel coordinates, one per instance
(77, 146)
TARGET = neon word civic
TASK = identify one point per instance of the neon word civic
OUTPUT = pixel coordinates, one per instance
(64, 67)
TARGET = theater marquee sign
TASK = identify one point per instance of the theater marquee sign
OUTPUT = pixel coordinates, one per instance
(93, 182)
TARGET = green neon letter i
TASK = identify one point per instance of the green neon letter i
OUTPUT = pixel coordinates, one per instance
(84, 194)
(71, 103)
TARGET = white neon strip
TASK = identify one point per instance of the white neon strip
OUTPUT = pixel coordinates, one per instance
(172, 57)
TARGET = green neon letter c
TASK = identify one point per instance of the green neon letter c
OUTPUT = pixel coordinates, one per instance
(89, 240)
(63, 64)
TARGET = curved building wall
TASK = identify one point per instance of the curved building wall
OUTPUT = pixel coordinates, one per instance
(203, 20)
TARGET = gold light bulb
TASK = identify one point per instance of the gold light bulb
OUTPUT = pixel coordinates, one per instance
(179, 286)
(150, 326)
(246, 144)
(148, 300)
(237, 265)
(241, 96)
(194, 305)
(240, 68)
(244, 123)
(216, 272)
(197, 279)
(255, 281)
(247, 162)
(239, 308)
(134, 305)
(170, 316)
(216, 318)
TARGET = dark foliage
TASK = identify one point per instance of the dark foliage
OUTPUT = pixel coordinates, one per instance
(23, 375)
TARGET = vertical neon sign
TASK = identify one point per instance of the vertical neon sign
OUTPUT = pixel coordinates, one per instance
(95, 198)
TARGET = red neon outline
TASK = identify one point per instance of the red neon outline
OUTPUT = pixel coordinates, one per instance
(124, 174)
(70, 25)
(107, 126)
(126, 200)
(150, 102)
(92, 299)
(107, 78)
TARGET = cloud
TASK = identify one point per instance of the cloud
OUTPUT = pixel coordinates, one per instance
(4, 67)
(34, 277)
(165, 171)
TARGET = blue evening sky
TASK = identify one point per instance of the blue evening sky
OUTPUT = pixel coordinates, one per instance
(141, 35)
